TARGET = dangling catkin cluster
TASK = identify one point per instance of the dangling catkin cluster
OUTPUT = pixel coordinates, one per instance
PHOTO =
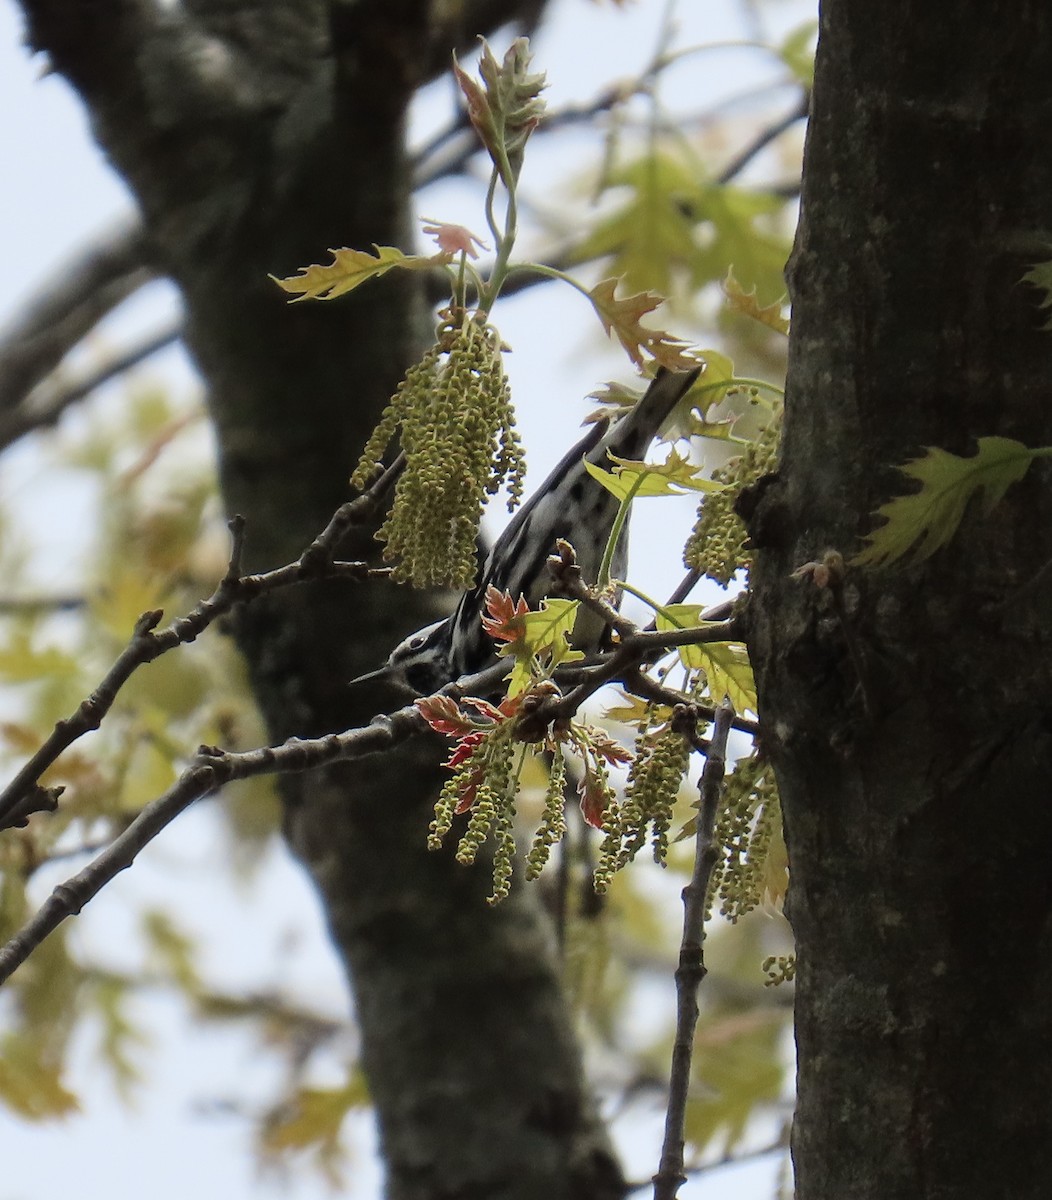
(749, 816)
(779, 968)
(553, 821)
(458, 435)
(654, 780)
(483, 780)
(717, 542)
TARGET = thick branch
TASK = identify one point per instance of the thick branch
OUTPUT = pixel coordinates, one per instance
(68, 306)
(46, 404)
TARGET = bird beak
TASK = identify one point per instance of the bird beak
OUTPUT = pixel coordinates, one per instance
(370, 676)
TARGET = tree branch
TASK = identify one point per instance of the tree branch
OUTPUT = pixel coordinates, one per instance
(68, 306)
(45, 405)
(23, 795)
(209, 770)
(764, 138)
(692, 970)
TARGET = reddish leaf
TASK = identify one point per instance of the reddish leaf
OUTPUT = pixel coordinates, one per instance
(443, 715)
(464, 749)
(500, 622)
(453, 239)
(606, 747)
(593, 798)
(622, 317)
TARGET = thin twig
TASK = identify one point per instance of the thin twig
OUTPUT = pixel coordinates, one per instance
(147, 643)
(318, 556)
(763, 139)
(208, 771)
(692, 970)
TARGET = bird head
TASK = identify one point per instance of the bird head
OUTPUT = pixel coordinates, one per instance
(418, 665)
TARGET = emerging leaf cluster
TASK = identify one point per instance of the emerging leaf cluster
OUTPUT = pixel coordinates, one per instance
(488, 763)
(458, 435)
(506, 107)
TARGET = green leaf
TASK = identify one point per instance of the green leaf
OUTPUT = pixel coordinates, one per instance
(675, 231)
(716, 380)
(926, 520)
(546, 633)
(310, 1121)
(674, 477)
(1040, 276)
(349, 268)
(21, 661)
(738, 1069)
(797, 51)
(119, 1038)
(748, 304)
(170, 949)
(29, 1086)
(726, 664)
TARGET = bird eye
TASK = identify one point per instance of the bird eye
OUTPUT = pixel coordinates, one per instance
(416, 642)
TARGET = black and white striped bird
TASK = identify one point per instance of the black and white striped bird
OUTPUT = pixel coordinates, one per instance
(570, 505)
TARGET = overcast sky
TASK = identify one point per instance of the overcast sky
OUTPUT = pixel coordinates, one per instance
(58, 194)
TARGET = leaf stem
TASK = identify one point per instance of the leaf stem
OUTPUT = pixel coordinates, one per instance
(615, 533)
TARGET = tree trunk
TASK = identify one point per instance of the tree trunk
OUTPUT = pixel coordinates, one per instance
(254, 136)
(916, 797)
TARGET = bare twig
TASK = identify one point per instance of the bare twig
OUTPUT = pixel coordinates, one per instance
(763, 139)
(147, 643)
(46, 403)
(692, 970)
(208, 771)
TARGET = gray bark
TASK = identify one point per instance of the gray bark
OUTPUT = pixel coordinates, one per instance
(255, 136)
(917, 830)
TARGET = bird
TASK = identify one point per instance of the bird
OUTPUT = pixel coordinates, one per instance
(569, 505)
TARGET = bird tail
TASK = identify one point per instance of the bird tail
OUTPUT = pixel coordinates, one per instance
(630, 436)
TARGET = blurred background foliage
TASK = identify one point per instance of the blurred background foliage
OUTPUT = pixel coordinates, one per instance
(670, 200)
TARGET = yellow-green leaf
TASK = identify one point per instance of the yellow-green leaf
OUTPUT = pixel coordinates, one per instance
(726, 664)
(21, 661)
(797, 51)
(170, 949)
(623, 319)
(1040, 276)
(630, 479)
(29, 1086)
(714, 382)
(747, 303)
(349, 268)
(546, 633)
(739, 1070)
(926, 520)
(676, 231)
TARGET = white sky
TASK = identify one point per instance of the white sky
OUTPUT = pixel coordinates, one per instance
(58, 193)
